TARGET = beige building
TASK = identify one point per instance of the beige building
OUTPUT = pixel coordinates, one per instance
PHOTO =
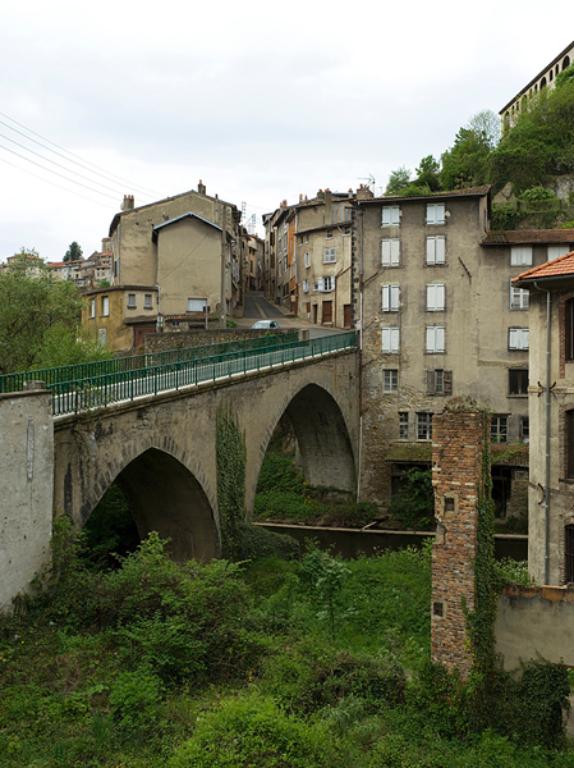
(323, 258)
(189, 248)
(551, 396)
(439, 318)
(254, 265)
(119, 316)
(544, 79)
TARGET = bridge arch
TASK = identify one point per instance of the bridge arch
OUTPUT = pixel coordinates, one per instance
(323, 439)
(164, 495)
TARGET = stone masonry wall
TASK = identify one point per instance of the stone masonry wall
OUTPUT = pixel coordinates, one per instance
(160, 342)
(457, 469)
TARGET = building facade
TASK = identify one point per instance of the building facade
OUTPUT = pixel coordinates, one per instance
(551, 400)
(544, 79)
(440, 317)
(119, 316)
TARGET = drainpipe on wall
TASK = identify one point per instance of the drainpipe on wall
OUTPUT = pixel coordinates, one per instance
(548, 433)
(361, 279)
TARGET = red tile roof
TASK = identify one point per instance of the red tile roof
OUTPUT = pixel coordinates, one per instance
(528, 236)
(563, 266)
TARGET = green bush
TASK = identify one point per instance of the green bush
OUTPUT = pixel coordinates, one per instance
(134, 700)
(541, 702)
(505, 216)
(441, 698)
(413, 504)
(510, 571)
(253, 733)
(280, 473)
(256, 542)
(313, 676)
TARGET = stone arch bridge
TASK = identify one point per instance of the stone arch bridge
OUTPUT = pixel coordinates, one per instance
(161, 450)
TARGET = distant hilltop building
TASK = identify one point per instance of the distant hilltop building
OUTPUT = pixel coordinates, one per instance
(544, 79)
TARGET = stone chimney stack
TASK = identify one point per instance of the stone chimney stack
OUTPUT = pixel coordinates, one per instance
(201, 188)
(364, 192)
(128, 203)
(106, 244)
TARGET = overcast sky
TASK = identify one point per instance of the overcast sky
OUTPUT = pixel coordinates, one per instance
(261, 100)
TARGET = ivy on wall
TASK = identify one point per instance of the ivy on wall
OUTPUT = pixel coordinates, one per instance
(230, 454)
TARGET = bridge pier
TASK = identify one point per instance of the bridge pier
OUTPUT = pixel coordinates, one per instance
(27, 472)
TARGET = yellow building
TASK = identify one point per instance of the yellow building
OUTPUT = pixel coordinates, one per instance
(118, 317)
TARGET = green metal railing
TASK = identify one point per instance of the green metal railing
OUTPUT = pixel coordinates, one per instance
(14, 382)
(101, 390)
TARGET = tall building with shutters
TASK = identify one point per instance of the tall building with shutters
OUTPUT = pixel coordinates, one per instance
(440, 317)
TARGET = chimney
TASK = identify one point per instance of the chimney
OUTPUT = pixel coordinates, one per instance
(364, 192)
(128, 203)
(106, 244)
(201, 188)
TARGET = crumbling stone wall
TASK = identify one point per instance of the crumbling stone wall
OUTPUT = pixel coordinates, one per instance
(458, 446)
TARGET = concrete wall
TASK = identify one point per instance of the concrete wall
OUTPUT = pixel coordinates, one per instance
(561, 487)
(533, 622)
(27, 471)
(161, 342)
(189, 266)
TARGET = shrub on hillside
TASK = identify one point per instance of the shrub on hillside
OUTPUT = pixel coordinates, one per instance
(254, 732)
(256, 542)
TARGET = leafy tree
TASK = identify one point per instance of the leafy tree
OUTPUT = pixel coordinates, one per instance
(74, 252)
(39, 320)
(487, 124)
(428, 173)
(541, 143)
(398, 181)
(467, 162)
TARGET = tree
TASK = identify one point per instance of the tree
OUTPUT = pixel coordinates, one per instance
(428, 173)
(486, 124)
(39, 321)
(398, 181)
(74, 252)
(467, 162)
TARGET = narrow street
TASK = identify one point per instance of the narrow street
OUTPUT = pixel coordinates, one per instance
(257, 307)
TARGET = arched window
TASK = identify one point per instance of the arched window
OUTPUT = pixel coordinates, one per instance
(568, 553)
(569, 329)
(551, 75)
(543, 83)
(565, 62)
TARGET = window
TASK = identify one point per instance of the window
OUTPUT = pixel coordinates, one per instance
(570, 444)
(391, 338)
(424, 426)
(196, 305)
(329, 255)
(518, 381)
(554, 251)
(436, 249)
(435, 297)
(328, 283)
(439, 382)
(518, 338)
(391, 252)
(524, 429)
(305, 286)
(148, 301)
(521, 256)
(105, 306)
(435, 337)
(391, 216)
(131, 301)
(569, 553)
(92, 308)
(436, 213)
(391, 296)
(102, 336)
(305, 238)
(404, 425)
(518, 298)
(390, 380)
(569, 329)
(307, 259)
(329, 234)
(499, 429)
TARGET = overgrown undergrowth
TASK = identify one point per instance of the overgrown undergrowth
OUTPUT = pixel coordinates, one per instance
(273, 663)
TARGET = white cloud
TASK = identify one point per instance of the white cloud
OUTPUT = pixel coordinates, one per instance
(261, 100)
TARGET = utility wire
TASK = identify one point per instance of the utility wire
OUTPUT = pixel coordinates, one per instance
(58, 165)
(77, 158)
(73, 181)
(54, 183)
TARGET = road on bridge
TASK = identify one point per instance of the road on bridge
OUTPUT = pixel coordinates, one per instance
(257, 307)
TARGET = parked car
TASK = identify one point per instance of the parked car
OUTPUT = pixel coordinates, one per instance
(265, 325)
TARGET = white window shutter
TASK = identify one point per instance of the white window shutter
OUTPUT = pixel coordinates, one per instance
(395, 252)
(439, 250)
(440, 339)
(431, 250)
(385, 298)
(386, 252)
(440, 299)
(395, 339)
(395, 296)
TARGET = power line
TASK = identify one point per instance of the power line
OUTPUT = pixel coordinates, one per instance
(58, 165)
(73, 181)
(78, 159)
(53, 183)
